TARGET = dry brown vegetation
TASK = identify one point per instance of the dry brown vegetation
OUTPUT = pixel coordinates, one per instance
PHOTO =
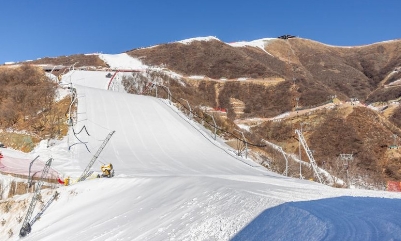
(79, 59)
(212, 58)
(27, 103)
(259, 100)
(319, 70)
(358, 131)
(384, 94)
(396, 117)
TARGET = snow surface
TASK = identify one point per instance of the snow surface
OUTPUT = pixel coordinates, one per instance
(259, 43)
(190, 40)
(94, 79)
(52, 77)
(356, 46)
(197, 77)
(174, 182)
(122, 61)
(244, 127)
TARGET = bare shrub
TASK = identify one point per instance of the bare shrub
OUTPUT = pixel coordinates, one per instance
(7, 207)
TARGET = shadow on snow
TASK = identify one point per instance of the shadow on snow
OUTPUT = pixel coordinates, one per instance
(341, 218)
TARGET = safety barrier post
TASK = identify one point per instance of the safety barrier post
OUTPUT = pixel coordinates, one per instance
(215, 126)
(245, 142)
(190, 110)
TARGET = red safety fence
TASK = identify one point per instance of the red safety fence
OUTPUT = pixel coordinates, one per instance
(393, 186)
(220, 109)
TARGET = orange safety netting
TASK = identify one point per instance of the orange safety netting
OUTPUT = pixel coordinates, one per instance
(393, 186)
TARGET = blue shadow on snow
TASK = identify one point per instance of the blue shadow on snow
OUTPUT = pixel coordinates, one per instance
(340, 218)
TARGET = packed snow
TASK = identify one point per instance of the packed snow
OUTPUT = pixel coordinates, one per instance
(175, 182)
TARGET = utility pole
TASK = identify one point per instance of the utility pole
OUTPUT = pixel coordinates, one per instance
(346, 160)
(300, 153)
(29, 173)
(286, 160)
(168, 92)
(215, 125)
(190, 109)
(245, 144)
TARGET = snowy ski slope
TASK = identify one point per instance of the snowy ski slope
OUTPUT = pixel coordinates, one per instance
(174, 182)
(151, 138)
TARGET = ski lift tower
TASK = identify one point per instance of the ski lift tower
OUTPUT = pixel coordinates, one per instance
(26, 226)
(309, 154)
(346, 160)
(300, 153)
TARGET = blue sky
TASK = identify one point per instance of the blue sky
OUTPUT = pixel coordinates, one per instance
(40, 28)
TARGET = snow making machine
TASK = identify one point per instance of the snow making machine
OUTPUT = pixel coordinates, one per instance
(107, 170)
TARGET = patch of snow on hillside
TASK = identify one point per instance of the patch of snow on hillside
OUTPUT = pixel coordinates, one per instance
(167, 72)
(175, 76)
(198, 77)
(122, 61)
(150, 47)
(190, 40)
(244, 127)
(281, 116)
(397, 82)
(356, 46)
(375, 108)
(259, 43)
(52, 77)
(172, 74)
(62, 93)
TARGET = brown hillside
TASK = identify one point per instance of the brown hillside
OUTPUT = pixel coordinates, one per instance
(318, 68)
(79, 59)
(27, 104)
(385, 94)
(214, 59)
(343, 130)
(396, 117)
(261, 101)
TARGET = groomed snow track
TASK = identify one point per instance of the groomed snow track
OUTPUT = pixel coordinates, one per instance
(151, 138)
